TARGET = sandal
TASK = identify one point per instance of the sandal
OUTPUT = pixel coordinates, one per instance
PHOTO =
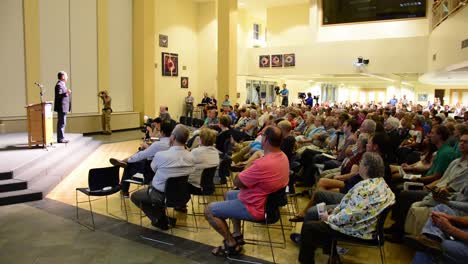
(297, 218)
(227, 251)
(239, 239)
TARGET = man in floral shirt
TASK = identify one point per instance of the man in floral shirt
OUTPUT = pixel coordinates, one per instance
(357, 213)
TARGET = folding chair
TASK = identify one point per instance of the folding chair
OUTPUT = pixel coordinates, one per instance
(378, 241)
(101, 182)
(177, 195)
(272, 215)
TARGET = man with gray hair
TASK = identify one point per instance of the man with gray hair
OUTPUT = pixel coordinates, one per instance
(174, 162)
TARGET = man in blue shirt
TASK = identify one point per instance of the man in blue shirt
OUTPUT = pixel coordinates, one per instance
(285, 95)
(393, 101)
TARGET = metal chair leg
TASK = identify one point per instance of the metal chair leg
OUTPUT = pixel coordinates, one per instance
(282, 231)
(107, 206)
(91, 211)
(269, 239)
(332, 252)
(76, 200)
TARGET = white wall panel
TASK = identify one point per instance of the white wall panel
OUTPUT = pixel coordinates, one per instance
(12, 72)
(54, 42)
(83, 36)
(120, 54)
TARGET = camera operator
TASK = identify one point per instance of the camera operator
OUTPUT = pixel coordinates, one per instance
(309, 101)
(106, 112)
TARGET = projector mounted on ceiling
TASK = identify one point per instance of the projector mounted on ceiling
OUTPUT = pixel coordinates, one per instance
(361, 62)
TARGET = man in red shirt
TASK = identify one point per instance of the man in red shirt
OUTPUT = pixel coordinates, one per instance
(266, 175)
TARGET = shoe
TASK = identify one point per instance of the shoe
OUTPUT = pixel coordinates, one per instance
(63, 141)
(296, 219)
(160, 225)
(172, 221)
(124, 194)
(295, 238)
(118, 163)
(423, 243)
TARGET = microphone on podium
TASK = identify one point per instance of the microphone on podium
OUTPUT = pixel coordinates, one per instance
(38, 84)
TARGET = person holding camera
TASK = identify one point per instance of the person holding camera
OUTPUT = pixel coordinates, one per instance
(106, 112)
(309, 101)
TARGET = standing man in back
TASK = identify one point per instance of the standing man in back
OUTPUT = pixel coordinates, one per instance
(62, 105)
(285, 95)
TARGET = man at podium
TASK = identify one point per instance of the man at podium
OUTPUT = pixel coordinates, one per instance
(62, 105)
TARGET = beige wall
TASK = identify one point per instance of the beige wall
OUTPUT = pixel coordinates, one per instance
(178, 20)
(406, 55)
(120, 54)
(289, 24)
(207, 28)
(445, 41)
(12, 68)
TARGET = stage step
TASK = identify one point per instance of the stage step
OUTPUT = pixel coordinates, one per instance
(6, 175)
(20, 196)
(12, 185)
(40, 175)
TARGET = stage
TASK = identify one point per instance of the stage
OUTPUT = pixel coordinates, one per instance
(28, 174)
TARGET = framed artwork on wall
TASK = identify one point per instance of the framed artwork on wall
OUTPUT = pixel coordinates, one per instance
(277, 60)
(264, 61)
(170, 64)
(289, 60)
(184, 82)
(163, 41)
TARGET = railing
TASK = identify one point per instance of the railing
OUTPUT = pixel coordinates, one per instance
(444, 8)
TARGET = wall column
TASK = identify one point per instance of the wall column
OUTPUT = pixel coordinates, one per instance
(227, 50)
(32, 49)
(143, 57)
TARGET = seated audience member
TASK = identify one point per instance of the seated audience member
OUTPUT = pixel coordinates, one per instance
(205, 156)
(355, 216)
(288, 144)
(250, 128)
(444, 238)
(266, 175)
(224, 136)
(443, 190)
(346, 179)
(153, 130)
(137, 163)
(405, 199)
(164, 114)
(174, 162)
(212, 119)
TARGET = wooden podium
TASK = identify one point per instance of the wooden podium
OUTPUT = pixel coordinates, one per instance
(40, 124)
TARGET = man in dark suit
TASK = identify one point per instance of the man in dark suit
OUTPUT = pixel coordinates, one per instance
(62, 105)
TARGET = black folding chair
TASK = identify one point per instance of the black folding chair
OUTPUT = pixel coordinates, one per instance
(177, 195)
(207, 186)
(101, 182)
(272, 215)
(378, 241)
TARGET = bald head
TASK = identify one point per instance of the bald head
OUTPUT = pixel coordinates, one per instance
(273, 136)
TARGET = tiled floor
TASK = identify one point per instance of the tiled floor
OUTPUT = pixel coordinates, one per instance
(203, 240)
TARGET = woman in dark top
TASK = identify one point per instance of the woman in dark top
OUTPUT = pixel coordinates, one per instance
(224, 136)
